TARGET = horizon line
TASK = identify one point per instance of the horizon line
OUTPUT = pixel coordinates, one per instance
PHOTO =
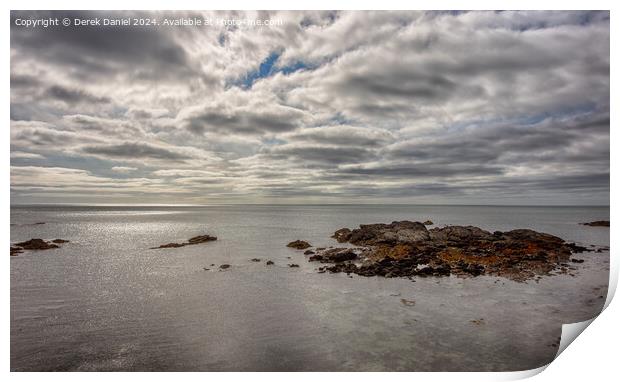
(295, 204)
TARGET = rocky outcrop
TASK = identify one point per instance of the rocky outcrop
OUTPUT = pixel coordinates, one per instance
(35, 245)
(389, 234)
(193, 241)
(299, 244)
(342, 235)
(407, 249)
(597, 223)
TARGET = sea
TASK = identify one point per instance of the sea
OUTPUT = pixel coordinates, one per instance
(105, 301)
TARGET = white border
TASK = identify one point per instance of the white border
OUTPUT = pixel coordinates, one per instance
(590, 357)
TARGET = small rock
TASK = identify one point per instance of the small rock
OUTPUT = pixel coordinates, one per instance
(224, 266)
(597, 223)
(299, 244)
(293, 265)
(15, 251)
(269, 262)
(428, 222)
(309, 252)
(407, 302)
(579, 261)
(201, 239)
(255, 260)
(59, 241)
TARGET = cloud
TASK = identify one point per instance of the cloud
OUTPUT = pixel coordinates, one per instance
(251, 120)
(340, 106)
(101, 51)
(341, 135)
(134, 150)
(73, 96)
(25, 155)
(324, 154)
(123, 169)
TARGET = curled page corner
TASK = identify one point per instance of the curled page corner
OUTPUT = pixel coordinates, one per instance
(570, 332)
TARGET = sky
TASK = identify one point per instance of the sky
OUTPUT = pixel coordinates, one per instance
(326, 107)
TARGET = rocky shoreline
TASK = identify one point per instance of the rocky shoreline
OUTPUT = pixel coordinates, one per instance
(408, 249)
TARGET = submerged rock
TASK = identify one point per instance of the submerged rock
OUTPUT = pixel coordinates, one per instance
(406, 249)
(299, 244)
(15, 251)
(60, 241)
(597, 223)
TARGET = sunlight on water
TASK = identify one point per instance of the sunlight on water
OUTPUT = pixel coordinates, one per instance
(105, 301)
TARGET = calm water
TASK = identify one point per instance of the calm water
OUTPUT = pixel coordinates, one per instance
(105, 301)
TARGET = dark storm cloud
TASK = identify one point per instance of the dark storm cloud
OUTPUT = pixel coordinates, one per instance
(133, 150)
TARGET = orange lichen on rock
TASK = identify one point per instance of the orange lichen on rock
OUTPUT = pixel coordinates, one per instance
(405, 249)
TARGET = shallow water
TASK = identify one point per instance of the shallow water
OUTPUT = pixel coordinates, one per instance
(105, 301)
